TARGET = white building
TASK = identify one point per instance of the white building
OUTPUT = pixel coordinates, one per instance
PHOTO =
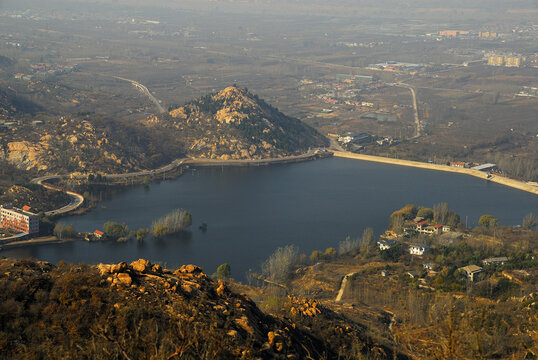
(418, 249)
(386, 244)
(19, 220)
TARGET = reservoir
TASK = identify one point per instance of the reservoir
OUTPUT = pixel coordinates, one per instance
(250, 211)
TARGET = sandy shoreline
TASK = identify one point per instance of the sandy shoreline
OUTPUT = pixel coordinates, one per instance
(479, 174)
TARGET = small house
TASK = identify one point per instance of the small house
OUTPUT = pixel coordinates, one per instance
(386, 244)
(428, 266)
(384, 273)
(418, 249)
(471, 271)
(98, 234)
(428, 230)
(421, 226)
(495, 260)
(418, 219)
(446, 228)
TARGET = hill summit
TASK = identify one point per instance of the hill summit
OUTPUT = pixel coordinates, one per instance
(236, 124)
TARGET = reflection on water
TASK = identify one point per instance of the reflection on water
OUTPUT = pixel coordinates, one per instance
(252, 211)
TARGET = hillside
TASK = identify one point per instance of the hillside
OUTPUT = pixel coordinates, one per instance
(235, 124)
(231, 124)
(143, 311)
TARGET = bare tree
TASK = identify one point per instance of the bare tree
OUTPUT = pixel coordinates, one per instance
(529, 221)
(279, 266)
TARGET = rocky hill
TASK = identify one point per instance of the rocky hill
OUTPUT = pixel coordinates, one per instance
(71, 145)
(235, 124)
(230, 124)
(142, 311)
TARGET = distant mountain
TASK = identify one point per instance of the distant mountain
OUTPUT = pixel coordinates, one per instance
(235, 124)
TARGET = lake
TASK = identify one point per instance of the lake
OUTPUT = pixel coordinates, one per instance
(252, 211)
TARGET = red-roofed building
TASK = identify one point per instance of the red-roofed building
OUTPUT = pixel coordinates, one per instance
(457, 164)
(98, 234)
(421, 225)
(26, 208)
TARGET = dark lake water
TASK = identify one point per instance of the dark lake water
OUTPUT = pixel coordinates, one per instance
(252, 211)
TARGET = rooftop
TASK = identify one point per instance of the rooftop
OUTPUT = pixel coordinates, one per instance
(471, 268)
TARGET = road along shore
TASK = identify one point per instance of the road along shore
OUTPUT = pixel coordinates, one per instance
(520, 185)
(78, 199)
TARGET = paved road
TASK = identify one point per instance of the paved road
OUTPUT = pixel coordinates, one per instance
(76, 199)
(145, 91)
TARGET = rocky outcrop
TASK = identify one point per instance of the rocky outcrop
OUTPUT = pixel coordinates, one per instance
(140, 310)
(26, 155)
(235, 124)
(69, 145)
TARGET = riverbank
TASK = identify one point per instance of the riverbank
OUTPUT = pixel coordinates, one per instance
(78, 199)
(33, 242)
(479, 174)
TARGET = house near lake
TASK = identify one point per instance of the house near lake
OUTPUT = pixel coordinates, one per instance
(418, 249)
(386, 244)
(472, 272)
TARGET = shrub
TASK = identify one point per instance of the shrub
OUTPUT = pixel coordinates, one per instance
(172, 223)
(488, 221)
(280, 264)
(62, 231)
(224, 271)
(348, 245)
(115, 230)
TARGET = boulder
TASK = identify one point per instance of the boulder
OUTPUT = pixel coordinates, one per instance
(104, 269)
(141, 265)
(190, 269)
(117, 268)
(125, 279)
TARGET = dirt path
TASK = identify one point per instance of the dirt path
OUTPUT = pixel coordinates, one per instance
(343, 287)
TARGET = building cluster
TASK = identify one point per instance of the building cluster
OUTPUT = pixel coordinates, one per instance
(342, 89)
(368, 45)
(488, 35)
(413, 249)
(19, 220)
(453, 33)
(40, 70)
(473, 166)
(470, 272)
(395, 66)
(528, 91)
(509, 60)
(356, 138)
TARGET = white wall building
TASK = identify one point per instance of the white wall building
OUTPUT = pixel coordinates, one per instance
(18, 220)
